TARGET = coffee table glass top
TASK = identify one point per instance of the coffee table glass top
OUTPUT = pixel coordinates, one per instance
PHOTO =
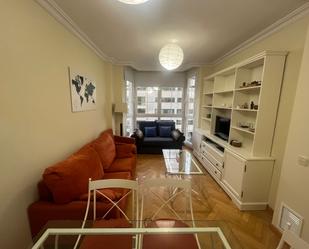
(63, 235)
(181, 162)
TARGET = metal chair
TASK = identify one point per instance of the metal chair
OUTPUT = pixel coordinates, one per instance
(96, 188)
(171, 194)
(292, 240)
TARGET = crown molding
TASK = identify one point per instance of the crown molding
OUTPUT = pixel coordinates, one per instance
(273, 28)
(54, 10)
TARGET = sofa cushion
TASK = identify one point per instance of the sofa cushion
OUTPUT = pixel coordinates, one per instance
(67, 180)
(41, 212)
(176, 134)
(125, 150)
(118, 175)
(123, 164)
(151, 131)
(165, 131)
(112, 194)
(104, 145)
(158, 141)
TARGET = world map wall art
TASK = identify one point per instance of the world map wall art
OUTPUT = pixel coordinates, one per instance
(83, 92)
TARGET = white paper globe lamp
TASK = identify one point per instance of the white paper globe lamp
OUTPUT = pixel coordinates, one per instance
(133, 1)
(171, 56)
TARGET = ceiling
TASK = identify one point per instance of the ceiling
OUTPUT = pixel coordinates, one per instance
(205, 29)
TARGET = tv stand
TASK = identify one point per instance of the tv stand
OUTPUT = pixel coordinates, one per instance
(245, 179)
(222, 136)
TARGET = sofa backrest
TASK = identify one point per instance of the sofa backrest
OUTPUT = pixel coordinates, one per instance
(68, 179)
(104, 145)
(143, 124)
(170, 123)
(157, 124)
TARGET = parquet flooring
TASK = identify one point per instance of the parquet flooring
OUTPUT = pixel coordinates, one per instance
(251, 228)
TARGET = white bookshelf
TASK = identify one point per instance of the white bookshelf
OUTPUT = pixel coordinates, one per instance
(248, 94)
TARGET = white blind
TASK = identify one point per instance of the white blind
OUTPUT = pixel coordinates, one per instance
(176, 79)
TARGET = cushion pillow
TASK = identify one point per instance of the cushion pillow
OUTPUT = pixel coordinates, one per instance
(139, 133)
(67, 180)
(176, 134)
(104, 145)
(165, 131)
(150, 131)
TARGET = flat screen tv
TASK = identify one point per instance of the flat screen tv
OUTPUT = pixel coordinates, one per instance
(222, 128)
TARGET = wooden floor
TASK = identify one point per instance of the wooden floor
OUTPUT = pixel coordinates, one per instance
(251, 228)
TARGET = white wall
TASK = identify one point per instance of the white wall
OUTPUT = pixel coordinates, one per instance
(294, 179)
(37, 127)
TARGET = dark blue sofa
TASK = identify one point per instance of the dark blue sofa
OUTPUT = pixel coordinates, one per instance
(164, 137)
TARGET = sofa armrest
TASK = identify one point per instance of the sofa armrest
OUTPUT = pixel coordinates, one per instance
(125, 140)
(178, 136)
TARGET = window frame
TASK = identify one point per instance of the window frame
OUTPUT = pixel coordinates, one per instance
(159, 113)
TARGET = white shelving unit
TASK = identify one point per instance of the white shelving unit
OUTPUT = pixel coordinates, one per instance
(248, 94)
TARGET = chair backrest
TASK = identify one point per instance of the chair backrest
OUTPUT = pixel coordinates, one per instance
(96, 190)
(292, 240)
(166, 194)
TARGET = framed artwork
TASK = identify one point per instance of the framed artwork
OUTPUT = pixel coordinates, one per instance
(83, 92)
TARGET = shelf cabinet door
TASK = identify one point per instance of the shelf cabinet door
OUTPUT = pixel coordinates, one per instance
(196, 142)
(234, 170)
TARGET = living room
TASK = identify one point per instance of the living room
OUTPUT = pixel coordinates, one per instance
(39, 129)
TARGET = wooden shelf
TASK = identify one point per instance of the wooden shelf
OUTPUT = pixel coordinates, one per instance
(208, 93)
(206, 119)
(245, 110)
(223, 91)
(207, 106)
(223, 108)
(250, 88)
(243, 130)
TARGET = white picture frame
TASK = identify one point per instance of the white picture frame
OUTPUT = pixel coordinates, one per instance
(83, 92)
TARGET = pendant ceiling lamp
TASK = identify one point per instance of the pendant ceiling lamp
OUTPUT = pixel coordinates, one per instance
(133, 1)
(171, 56)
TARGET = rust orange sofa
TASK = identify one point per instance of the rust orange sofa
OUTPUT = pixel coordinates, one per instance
(64, 187)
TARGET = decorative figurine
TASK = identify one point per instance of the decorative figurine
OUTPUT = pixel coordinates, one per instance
(252, 105)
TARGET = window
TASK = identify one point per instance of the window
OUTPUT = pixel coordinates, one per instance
(160, 103)
(147, 100)
(141, 100)
(128, 118)
(141, 110)
(147, 119)
(189, 117)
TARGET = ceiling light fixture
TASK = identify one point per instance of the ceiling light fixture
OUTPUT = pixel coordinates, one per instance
(171, 56)
(133, 1)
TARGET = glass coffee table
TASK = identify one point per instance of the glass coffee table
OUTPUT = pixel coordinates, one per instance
(181, 162)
